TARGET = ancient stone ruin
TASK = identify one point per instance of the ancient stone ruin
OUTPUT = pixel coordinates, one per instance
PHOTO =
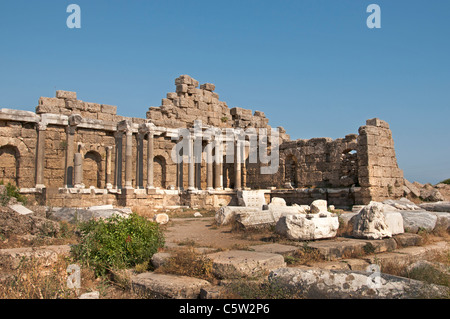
(71, 153)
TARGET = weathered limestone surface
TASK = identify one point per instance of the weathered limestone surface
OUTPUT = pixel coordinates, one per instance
(370, 223)
(168, 286)
(264, 218)
(226, 214)
(274, 249)
(161, 218)
(416, 220)
(307, 227)
(436, 207)
(251, 198)
(48, 255)
(344, 284)
(319, 206)
(235, 264)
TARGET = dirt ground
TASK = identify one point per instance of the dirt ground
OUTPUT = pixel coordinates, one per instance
(202, 232)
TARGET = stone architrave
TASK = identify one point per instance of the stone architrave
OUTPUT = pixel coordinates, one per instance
(370, 223)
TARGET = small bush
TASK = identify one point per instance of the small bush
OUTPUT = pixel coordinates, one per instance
(11, 191)
(117, 242)
(447, 181)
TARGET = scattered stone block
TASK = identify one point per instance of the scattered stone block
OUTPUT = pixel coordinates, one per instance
(90, 295)
(380, 246)
(234, 264)
(408, 239)
(277, 201)
(318, 206)
(208, 87)
(168, 286)
(394, 221)
(370, 223)
(161, 218)
(226, 214)
(303, 227)
(66, 95)
(20, 209)
(251, 198)
(48, 255)
(436, 207)
(274, 249)
(343, 284)
(159, 259)
(413, 221)
(336, 249)
(212, 292)
(443, 221)
(109, 109)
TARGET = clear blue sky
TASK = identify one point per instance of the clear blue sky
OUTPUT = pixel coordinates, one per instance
(312, 66)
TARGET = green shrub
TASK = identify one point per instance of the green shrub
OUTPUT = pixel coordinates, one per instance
(117, 242)
(447, 181)
(11, 191)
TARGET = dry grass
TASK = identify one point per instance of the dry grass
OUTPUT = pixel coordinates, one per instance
(427, 274)
(188, 262)
(304, 256)
(66, 236)
(262, 289)
(34, 280)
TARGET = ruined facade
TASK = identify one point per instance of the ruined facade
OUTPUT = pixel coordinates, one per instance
(75, 153)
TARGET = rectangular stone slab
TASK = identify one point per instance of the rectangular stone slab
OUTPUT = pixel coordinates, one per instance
(235, 264)
(168, 286)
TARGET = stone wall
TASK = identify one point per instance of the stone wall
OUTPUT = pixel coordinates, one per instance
(379, 174)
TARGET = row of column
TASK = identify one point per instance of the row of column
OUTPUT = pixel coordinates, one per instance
(73, 161)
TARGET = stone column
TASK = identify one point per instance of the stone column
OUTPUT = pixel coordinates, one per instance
(78, 170)
(209, 167)
(140, 160)
(191, 163)
(180, 171)
(244, 166)
(218, 181)
(70, 139)
(108, 167)
(150, 169)
(40, 155)
(74, 121)
(118, 160)
(237, 166)
(129, 159)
